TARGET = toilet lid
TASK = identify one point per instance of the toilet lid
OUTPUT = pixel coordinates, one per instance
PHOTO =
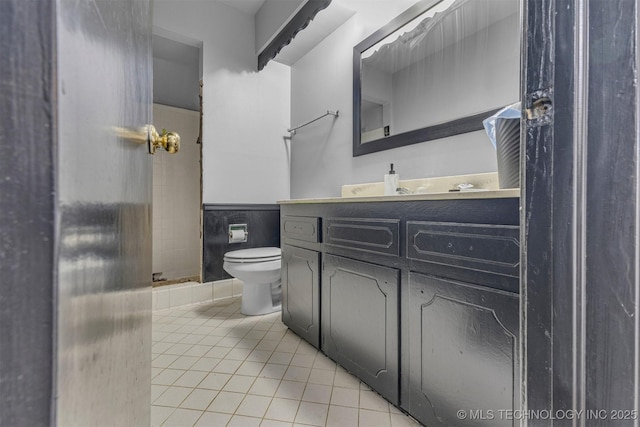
(254, 255)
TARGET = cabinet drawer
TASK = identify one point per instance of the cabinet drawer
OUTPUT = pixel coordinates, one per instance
(301, 228)
(480, 247)
(370, 235)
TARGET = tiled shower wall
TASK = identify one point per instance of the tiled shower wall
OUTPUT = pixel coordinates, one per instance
(176, 197)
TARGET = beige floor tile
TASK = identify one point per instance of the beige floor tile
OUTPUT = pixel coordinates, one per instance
(248, 343)
(215, 381)
(345, 379)
(184, 362)
(205, 364)
(401, 420)
(182, 417)
(282, 409)
(198, 350)
(213, 419)
(280, 358)
(368, 418)
(342, 416)
(259, 356)
(314, 414)
(323, 362)
(199, 399)
(271, 370)
(226, 402)
(321, 376)
(163, 360)
(172, 396)
(296, 373)
(218, 352)
(209, 339)
(178, 349)
(227, 366)
(244, 421)
(167, 377)
(372, 400)
(252, 371)
(239, 384)
(190, 379)
(264, 386)
(269, 345)
(303, 360)
(254, 406)
(157, 390)
(345, 397)
(317, 393)
(274, 423)
(238, 354)
(290, 390)
(159, 414)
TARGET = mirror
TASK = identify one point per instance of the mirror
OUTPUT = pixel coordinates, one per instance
(437, 70)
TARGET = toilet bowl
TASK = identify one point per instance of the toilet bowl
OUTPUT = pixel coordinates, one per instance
(259, 269)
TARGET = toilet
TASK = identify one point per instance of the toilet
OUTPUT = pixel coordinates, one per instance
(259, 269)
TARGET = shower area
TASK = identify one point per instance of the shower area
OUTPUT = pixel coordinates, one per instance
(177, 178)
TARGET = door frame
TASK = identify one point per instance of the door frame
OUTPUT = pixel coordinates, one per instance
(579, 223)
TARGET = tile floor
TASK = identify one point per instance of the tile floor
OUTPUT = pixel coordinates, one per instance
(214, 367)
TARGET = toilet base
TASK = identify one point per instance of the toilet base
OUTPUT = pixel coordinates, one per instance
(256, 299)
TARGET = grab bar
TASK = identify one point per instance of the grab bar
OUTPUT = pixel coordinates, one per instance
(328, 113)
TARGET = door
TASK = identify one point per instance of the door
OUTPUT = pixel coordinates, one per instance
(104, 81)
(75, 260)
(301, 292)
(359, 319)
(463, 353)
(580, 216)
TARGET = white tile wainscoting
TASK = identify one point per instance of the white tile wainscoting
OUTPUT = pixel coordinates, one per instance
(180, 294)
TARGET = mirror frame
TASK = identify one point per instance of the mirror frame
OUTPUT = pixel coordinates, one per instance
(428, 133)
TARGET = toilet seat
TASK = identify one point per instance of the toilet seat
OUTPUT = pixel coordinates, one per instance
(254, 255)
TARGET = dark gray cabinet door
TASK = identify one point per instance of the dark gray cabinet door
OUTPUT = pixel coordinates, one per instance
(301, 292)
(360, 321)
(463, 349)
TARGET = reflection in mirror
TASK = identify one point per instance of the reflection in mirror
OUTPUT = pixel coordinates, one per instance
(437, 70)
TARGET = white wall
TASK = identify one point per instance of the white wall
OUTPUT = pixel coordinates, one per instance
(321, 154)
(246, 113)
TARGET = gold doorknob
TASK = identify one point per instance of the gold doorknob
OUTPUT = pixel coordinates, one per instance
(169, 141)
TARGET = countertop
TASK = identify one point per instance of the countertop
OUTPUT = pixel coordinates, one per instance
(453, 195)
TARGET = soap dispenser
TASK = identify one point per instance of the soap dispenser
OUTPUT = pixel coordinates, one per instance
(391, 182)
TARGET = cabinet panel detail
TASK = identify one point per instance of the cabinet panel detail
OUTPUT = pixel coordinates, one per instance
(488, 248)
(463, 343)
(300, 228)
(371, 235)
(301, 292)
(360, 321)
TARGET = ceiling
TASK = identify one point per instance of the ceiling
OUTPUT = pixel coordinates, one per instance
(246, 6)
(322, 25)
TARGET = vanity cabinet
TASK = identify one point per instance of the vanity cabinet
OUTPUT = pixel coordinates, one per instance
(301, 292)
(419, 299)
(360, 322)
(463, 353)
